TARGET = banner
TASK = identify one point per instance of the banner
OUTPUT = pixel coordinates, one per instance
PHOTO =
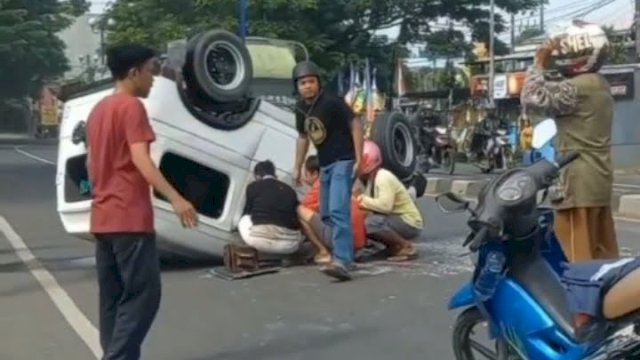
(622, 85)
(49, 107)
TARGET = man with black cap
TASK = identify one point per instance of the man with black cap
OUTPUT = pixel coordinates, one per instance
(328, 122)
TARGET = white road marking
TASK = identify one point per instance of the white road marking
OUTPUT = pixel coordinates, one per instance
(19, 150)
(69, 310)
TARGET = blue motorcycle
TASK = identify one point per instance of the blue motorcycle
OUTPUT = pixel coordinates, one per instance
(516, 285)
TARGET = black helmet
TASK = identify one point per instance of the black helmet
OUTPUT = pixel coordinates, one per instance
(305, 68)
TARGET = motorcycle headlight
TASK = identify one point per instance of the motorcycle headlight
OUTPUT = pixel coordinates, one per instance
(515, 187)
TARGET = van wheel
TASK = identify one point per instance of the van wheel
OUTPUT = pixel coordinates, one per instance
(218, 65)
(393, 134)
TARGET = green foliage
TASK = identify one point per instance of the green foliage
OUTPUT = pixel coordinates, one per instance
(529, 33)
(30, 51)
(335, 31)
(618, 53)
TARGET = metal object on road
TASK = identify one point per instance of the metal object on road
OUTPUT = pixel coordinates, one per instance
(239, 258)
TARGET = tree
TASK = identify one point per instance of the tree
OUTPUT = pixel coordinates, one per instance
(618, 52)
(529, 33)
(335, 31)
(30, 51)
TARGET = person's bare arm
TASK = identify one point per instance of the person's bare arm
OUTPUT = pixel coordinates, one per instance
(302, 147)
(143, 162)
(357, 133)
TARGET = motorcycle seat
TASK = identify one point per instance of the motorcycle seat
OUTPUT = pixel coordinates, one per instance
(623, 298)
(537, 277)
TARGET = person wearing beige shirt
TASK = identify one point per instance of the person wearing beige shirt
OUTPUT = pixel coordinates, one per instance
(393, 218)
(579, 98)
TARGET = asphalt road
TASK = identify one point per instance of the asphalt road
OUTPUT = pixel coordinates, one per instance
(388, 312)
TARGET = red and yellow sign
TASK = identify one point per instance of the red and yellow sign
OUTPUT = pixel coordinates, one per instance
(480, 84)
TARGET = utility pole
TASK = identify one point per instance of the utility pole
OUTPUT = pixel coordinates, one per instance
(542, 15)
(636, 23)
(513, 32)
(492, 23)
(244, 21)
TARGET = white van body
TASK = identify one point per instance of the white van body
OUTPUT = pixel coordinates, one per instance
(270, 134)
(206, 155)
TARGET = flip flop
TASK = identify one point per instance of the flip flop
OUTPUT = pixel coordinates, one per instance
(404, 257)
(323, 260)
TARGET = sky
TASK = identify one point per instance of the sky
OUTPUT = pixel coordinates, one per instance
(616, 12)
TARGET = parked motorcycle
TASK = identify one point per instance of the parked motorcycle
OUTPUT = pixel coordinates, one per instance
(490, 149)
(516, 287)
(441, 148)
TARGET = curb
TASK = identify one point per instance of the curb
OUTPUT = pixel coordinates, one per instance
(623, 205)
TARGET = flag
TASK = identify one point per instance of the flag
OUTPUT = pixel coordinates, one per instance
(378, 97)
(400, 79)
(340, 82)
(350, 96)
(370, 93)
(359, 105)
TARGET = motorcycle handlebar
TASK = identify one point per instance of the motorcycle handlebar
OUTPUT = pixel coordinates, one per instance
(478, 238)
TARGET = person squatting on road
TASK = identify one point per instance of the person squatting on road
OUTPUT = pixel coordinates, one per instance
(393, 217)
(331, 125)
(121, 170)
(579, 99)
(318, 232)
(269, 223)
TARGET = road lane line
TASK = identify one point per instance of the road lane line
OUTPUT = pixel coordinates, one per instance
(31, 156)
(621, 185)
(67, 307)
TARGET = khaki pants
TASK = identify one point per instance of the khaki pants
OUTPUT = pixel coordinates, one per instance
(587, 233)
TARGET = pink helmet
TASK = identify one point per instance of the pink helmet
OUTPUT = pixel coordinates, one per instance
(371, 157)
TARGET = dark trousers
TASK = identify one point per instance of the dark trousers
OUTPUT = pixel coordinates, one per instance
(130, 290)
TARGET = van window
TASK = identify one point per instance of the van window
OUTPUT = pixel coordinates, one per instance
(76, 182)
(204, 187)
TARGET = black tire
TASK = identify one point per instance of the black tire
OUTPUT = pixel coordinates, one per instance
(394, 135)
(462, 329)
(221, 116)
(218, 64)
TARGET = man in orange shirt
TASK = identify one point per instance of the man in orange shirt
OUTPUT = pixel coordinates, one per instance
(318, 232)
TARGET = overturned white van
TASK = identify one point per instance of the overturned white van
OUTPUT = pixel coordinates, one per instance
(218, 107)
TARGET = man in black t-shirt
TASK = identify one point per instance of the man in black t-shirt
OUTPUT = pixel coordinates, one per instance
(328, 122)
(270, 222)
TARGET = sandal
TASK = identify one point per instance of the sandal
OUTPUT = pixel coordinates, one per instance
(404, 255)
(322, 259)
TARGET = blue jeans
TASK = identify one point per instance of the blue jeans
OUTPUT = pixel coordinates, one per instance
(336, 182)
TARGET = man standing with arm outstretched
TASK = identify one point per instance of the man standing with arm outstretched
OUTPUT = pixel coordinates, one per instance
(328, 122)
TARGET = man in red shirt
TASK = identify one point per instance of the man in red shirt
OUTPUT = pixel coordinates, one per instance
(121, 170)
(319, 233)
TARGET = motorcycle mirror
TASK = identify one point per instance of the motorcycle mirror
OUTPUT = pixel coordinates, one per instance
(451, 203)
(543, 133)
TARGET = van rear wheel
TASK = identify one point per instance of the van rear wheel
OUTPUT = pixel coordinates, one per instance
(218, 65)
(394, 135)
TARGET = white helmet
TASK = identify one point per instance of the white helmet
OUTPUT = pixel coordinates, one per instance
(583, 48)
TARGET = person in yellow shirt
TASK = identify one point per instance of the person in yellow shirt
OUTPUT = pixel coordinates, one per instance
(526, 134)
(393, 218)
